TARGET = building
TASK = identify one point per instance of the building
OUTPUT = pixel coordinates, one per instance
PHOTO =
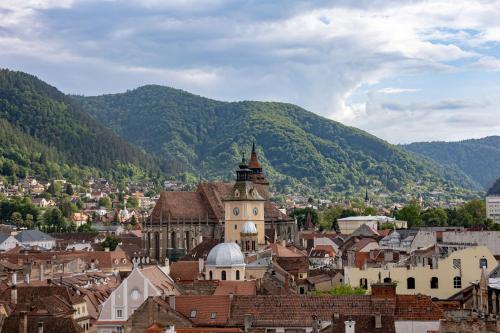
(436, 277)
(408, 239)
(31, 238)
(181, 220)
(132, 292)
(347, 225)
(493, 208)
(8, 242)
(490, 239)
(225, 262)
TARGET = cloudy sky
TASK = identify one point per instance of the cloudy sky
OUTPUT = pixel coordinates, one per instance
(402, 70)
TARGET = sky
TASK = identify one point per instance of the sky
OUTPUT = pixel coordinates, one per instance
(404, 71)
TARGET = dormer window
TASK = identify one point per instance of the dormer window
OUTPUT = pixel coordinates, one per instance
(236, 193)
(213, 315)
(193, 314)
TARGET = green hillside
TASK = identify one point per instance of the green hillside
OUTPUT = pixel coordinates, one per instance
(495, 189)
(44, 133)
(477, 158)
(298, 148)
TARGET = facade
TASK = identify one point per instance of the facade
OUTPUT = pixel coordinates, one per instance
(408, 239)
(490, 239)
(8, 242)
(347, 225)
(132, 292)
(440, 278)
(493, 208)
(181, 220)
(30, 238)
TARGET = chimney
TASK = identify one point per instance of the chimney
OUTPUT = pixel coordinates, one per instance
(248, 322)
(383, 290)
(23, 322)
(350, 326)
(201, 265)
(40, 327)
(315, 324)
(166, 269)
(106, 249)
(14, 279)
(41, 275)
(13, 289)
(171, 301)
(283, 242)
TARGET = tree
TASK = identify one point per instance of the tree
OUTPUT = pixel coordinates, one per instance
(110, 242)
(29, 221)
(434, 217)
(411, 214)
(69, 189)
(132, 202)
(370, 211)
(133, 220)
(16, 219)
(105, 202)
(342, 290)
(54, 188)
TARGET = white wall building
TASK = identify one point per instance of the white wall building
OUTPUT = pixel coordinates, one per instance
(493, 208)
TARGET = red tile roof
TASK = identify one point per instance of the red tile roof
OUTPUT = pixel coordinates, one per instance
(236, 288)
(203, 307)
(185, 270)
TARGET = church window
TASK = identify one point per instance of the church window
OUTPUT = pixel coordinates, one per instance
(255, 211)
(457, 282)
(410, 283)
(235, 227)
(210, 275)
(237, 275)
(223, 275)
(363, 283)
(253, 245)
(236, 195)
(434, 283)
(483, 262)
(387, 280)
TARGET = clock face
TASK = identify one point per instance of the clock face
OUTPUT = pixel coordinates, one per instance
(255, 211)
(236, 211)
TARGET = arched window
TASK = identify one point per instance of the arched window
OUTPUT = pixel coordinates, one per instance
(253, 245)
(363, 283)
(410, 283)
(434, 283)
(210, 275)
(173, 240)
(457, 282)
(223, 275)
(483, 262)
(387, 280)
(237, 275)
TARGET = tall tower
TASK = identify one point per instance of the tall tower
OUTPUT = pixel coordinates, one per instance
(257, 176)
(243, 204)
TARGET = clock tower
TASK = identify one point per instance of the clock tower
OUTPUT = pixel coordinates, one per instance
(243, 204)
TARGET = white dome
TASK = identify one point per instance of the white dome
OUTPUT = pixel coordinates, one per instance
(226, 255)
(249, 228)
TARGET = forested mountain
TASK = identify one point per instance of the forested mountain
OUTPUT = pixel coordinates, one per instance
(495, 189)
(43, 132)
(297, 147)
(477, 158)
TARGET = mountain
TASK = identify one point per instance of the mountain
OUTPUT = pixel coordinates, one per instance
(477, 158)
(43, 132)
(495, 189)
(297, 147)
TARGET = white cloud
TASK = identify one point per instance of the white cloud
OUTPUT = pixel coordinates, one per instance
(310, 53)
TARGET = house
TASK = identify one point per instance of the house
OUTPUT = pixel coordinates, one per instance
(493, 207)
(428, 274)
(8, 242)
(322, 256)
(490, 239)
(348, 224)
(408, 239)
(32, 238)
(141, 284)
(79, 218)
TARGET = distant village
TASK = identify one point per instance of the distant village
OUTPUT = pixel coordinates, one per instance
(228, 257)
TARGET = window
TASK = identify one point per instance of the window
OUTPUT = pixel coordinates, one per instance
(213, 315)
(434, 283)
(210, 275)
(223, 275)
(363, 283)
(119, 329)
(410, 283)
(483, 262)
(457, 282)
(193, 314)
(457, 263)
(119, 313)
(387, 280)
(237, 275)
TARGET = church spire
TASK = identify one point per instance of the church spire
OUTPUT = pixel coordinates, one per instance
(254, 164)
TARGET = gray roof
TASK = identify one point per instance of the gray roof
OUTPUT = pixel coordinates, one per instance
(3, 238)
(33, 236)
(226, 255)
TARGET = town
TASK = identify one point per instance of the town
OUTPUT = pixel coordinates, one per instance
(227, 257)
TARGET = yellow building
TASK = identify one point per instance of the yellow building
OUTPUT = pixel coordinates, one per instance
(243, 204)
(453, 273)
